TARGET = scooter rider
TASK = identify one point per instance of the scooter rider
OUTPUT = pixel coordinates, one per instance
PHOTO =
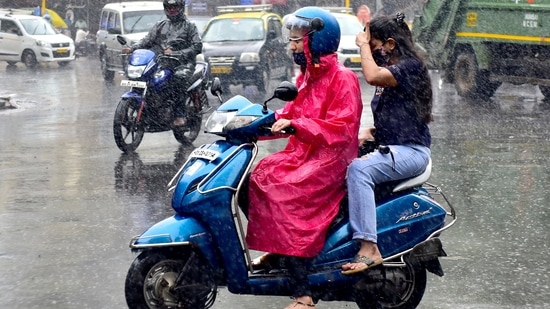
(179, 37)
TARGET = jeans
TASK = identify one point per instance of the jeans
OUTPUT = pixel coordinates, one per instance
(374, 168)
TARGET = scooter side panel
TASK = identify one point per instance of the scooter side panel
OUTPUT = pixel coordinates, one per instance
(405, 221)
(205, 191)
(179, 231)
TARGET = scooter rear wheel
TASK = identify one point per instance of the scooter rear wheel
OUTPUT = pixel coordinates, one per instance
(162, 279)
(127, 132)
(393, 288)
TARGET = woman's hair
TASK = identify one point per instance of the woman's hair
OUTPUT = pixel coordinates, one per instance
(385, 27)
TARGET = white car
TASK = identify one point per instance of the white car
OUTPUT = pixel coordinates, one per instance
(348, 52)
(133, 20)
(32, 39)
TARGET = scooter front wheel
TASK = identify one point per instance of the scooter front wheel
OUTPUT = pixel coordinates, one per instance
(162, 279)
(127, 131)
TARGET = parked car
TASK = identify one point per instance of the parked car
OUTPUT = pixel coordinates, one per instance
(130, 19)
(244, 45)
(350, 26)
(32, 39)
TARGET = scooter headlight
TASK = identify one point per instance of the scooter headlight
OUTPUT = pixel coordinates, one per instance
(135, 71)
(217, 121)
(221, 122)
(239, 122)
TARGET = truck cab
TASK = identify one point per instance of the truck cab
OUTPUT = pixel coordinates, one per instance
(481, 44)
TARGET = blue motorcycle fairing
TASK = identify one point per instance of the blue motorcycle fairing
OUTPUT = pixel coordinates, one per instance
(141, 57)
(179, 230)
(132, 95)
(158, 81)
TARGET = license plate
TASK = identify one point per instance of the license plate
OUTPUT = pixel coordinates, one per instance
(220, 70)
(203, 153)
(133, 83)
(62, 50)
(355, 59)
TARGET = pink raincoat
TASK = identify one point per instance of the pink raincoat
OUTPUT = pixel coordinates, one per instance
(295, 193)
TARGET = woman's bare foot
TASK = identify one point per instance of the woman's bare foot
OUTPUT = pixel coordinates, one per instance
(367, 257)
(302, 302)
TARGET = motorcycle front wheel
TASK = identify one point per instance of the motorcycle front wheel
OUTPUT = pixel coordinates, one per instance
(162, 279)
(187, 134)
(127, 131)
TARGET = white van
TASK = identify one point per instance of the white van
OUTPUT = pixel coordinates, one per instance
(32, 39)
(132, 20)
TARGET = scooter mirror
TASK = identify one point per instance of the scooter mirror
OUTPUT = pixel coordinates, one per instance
(121, 39)
(286, 91)
(216, 87)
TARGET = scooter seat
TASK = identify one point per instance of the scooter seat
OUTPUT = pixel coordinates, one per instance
(415, 181)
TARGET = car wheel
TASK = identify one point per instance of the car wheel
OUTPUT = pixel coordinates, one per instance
(107, 74)
(29, 59)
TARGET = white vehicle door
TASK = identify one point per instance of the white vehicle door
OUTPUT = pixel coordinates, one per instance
(11, 40)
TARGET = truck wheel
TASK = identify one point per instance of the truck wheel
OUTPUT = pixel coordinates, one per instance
(470, 81)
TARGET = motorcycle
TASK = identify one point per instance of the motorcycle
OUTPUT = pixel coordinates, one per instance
(86, 47)
(183, 259)
(148, 105)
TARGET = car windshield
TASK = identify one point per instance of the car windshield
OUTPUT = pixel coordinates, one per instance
(349, 25)
(200, 22)
(141, 21)
(241, 29)
(37, 26)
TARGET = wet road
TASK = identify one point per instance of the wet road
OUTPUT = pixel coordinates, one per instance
(70, 201)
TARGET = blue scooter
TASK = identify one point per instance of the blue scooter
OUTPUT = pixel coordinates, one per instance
(185, 258)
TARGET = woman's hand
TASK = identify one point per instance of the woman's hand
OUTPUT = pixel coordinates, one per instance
(366, 135)
(363, 37)
(280, 125)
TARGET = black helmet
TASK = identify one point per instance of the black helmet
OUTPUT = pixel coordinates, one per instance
(174, 9)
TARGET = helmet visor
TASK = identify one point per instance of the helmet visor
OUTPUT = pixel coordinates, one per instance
(295, 27)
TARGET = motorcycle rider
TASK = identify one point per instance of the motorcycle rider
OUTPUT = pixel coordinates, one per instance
(175, 36)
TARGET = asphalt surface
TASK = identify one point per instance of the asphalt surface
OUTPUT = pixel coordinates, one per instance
(70, 200)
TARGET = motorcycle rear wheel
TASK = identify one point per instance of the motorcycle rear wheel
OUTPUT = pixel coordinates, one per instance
(402, 288)
(187, 134)
(127, 132)
(152, 281)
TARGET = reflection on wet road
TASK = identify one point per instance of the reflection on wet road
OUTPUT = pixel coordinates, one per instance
(70, 201)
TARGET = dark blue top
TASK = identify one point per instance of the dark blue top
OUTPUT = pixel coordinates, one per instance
(395, 117)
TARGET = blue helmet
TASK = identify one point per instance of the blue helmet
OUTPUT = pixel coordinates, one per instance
(321, 26)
